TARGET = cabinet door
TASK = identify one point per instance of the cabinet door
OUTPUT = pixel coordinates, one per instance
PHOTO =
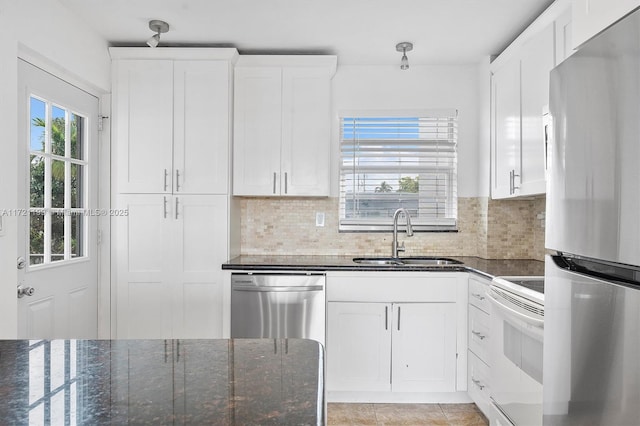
(359, 346)
(536, 63)
(257, 131)
(563, 34)
(143, 124)
(199, 223)
(592, 16)
(424, 347)
(505, 159)
(306, 131)
(144, 265)
(201, 127)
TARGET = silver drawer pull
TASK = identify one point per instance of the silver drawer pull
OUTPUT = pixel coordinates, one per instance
(478, 383)
(478, 296)
(478, 334)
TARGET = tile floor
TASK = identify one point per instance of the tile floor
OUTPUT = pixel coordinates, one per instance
(404, 414)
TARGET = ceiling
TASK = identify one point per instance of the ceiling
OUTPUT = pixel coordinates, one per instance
(360, 32)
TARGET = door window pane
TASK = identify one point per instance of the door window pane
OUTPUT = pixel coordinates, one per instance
(76, 186)
(77, 148)
(57, 184)
(77, 246)
(36, 237)
(36, 166)
(58, 131)
(57, 237)
(37, 128)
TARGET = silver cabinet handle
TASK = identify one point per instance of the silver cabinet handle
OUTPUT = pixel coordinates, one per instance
(478, 296)
(398, 318)
(478, 383)
(274, 182)
(177, 180)
(166, 174)
(478, 334)
(166, 354)
(177, 207)
(514, 181)
(178, 351)
(285, 183)
(164, 204)
(511, 182)
(386, 317)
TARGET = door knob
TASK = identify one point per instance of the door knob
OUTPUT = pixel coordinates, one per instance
(25, 291)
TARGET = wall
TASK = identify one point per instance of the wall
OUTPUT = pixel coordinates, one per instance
(491, 229)
(52, 37)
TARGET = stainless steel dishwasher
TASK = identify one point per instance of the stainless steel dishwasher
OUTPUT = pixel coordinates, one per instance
(278, 305)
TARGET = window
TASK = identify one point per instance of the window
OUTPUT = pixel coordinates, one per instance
(390, 161)
(57, 171)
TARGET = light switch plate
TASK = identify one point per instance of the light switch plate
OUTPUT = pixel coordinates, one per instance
(320, 219)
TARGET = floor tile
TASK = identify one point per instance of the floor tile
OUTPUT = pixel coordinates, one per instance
(340, 414)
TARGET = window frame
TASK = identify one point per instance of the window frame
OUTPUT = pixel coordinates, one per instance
(448, 223)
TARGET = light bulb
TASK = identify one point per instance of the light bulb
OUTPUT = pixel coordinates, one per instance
(154, 40)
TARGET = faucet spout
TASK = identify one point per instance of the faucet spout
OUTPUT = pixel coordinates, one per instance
(395, 248)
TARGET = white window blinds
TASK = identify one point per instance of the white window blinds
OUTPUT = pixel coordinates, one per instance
(388, 162)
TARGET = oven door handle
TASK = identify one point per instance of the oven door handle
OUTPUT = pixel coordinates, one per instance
(526, 318)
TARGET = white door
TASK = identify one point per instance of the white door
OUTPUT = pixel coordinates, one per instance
(424, 347)
(359, 346)
(57, 209)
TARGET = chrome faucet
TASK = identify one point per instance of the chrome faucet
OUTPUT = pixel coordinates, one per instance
(395, 246)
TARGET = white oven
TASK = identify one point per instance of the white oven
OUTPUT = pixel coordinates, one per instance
(517, 322)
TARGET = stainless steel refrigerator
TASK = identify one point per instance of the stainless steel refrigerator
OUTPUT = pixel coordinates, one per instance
(591, 372)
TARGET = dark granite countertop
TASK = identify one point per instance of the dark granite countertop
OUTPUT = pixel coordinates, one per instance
(217, 382)
(485, 267)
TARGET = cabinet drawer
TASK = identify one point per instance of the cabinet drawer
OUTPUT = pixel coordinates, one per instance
(478, 293)
(478, 383)
(479, 333)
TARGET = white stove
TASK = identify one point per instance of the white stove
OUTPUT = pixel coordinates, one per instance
(517, 321)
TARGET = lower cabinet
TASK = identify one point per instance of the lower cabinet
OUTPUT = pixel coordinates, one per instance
(402, 347)
(391, 334)
(479, 371)
(169, 249)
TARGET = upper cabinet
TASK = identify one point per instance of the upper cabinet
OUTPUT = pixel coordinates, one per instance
(519, 96)
(171, 120)
(592, 16)
(282, 125)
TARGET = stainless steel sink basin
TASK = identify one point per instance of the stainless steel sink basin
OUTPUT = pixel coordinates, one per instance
(390, 261)
(429, 261)
(377, 261)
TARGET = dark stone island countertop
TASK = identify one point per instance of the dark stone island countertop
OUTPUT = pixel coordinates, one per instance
(212, 382)
(485, 267)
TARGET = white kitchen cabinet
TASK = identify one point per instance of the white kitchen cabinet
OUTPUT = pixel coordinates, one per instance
(359, 336)
(171, 121)
(520, 91)
(396, 336)
(479, 370)
(592, 16)
(282, 125)
(169, 249)
(505, 159)
(399, 347)
(424, 347)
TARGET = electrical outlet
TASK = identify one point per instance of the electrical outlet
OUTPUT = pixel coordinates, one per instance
(320, 219)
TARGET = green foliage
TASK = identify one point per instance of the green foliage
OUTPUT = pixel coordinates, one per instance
(384, 187)
(409, 184)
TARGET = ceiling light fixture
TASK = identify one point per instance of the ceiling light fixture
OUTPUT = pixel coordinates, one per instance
(159, 27)
(404, 47)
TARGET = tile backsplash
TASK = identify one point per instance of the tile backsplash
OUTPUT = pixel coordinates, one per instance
(491, 229)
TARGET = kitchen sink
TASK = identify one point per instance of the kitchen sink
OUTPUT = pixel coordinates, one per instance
(390, 261)
(377, 261)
